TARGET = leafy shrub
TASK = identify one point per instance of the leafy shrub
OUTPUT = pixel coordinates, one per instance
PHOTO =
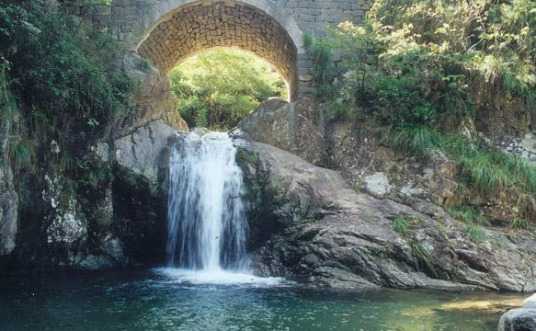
(66, 77)
(413, 61)
(62, 88)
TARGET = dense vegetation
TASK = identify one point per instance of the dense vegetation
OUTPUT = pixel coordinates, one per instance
(62, 90)
(216, 89)
(61, 86)
(419, 68)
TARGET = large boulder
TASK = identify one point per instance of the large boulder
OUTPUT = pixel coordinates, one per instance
(140, 191)
(518, 320)
(152, 99)
(320, 229)
(294, 127)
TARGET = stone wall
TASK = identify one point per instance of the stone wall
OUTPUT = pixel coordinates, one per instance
(168, 31)
(199, 27)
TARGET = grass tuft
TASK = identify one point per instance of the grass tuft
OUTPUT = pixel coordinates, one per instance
(519, 223)
(421, 254)
(475, 233)
(400, 225)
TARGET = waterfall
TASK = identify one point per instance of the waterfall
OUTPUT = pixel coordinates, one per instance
(206, 217)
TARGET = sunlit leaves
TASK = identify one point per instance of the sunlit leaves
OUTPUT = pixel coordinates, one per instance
(218, 88)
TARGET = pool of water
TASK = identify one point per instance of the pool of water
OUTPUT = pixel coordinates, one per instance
(173, 300)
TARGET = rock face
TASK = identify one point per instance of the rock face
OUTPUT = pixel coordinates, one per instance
(153, 101)
(8, 212)
(142, 151)
(294, 127)
(323, 231)
(524, 147)
(377, 184)
(140, 191)
(357, 152)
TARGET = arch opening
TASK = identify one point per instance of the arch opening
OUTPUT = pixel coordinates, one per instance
(203, 25)
(219, 87)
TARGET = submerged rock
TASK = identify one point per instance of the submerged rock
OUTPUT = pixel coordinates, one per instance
(518, 320)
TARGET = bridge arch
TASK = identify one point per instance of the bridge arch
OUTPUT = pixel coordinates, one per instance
(178, 29)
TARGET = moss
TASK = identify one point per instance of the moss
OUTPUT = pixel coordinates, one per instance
(245, 157)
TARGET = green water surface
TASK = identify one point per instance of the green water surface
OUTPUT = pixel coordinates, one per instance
(145, 300)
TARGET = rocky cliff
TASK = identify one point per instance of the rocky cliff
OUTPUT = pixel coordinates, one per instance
(376, 221)
(330, 205)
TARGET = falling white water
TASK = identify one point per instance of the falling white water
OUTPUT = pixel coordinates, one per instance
(206, 216)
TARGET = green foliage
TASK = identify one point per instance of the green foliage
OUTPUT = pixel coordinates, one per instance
(15, 149)
(490, 39)
(486, 169)
(65, 76)
(62, 88)
(467, 214)
(489, 170)
(417, 140)
(475, 233)
(143, 64)
(485, 175)
(323, 70)
(400, 225)
(519, 223)
(422, 255)
(216, 89)
(411, 64)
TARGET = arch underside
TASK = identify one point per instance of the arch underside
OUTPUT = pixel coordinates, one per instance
(201, 26)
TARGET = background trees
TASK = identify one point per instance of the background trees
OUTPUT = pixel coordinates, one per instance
(216, 89)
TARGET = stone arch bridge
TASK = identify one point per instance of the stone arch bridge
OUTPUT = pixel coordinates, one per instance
(169, 31)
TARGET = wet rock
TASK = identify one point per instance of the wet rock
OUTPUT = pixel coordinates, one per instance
(140, 191)
(67, 227)
(518, 320)
(8, 212)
